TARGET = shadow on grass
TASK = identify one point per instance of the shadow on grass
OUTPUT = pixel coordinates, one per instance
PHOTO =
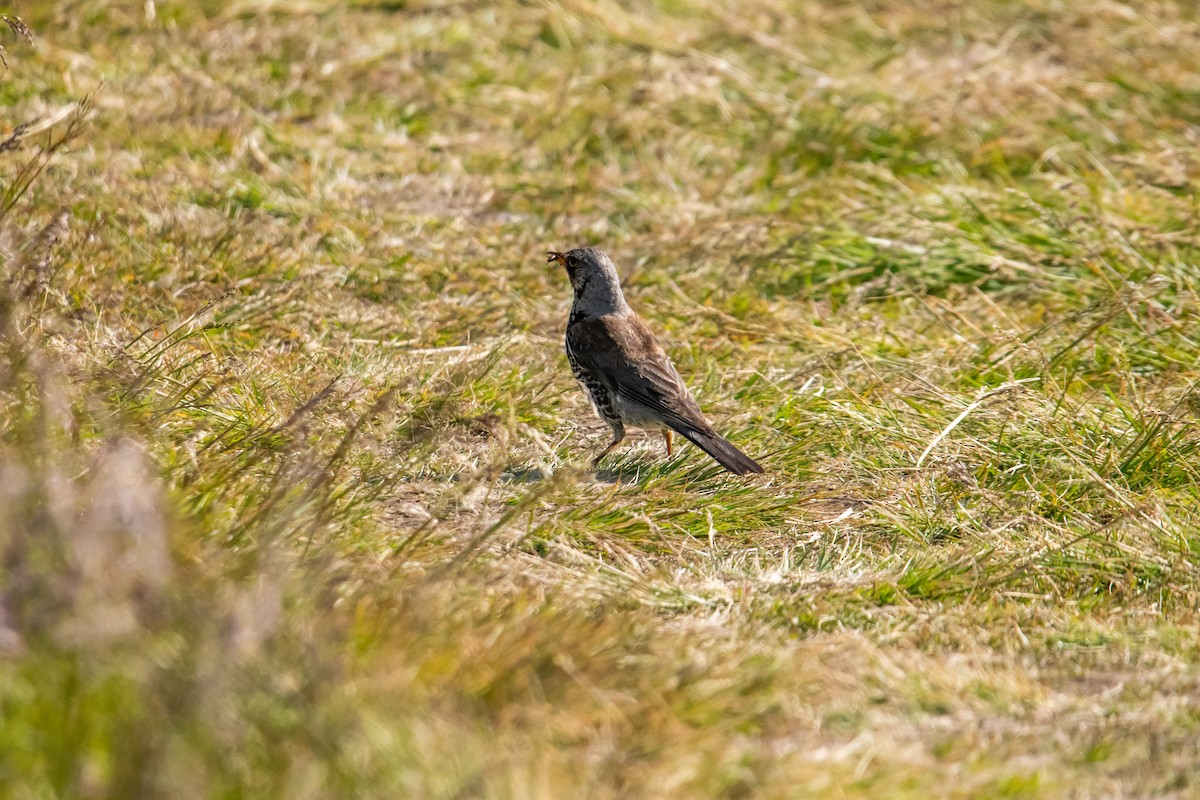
(523, 475)
(639, 471)
(631, 472)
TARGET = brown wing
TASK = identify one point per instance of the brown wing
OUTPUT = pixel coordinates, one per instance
(621, 352)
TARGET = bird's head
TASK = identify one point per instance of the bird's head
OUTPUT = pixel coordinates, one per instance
(593, 278)
(583, 264)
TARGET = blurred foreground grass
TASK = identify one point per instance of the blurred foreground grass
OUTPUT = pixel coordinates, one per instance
(291, 489)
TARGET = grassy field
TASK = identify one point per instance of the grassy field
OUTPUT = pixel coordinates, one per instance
(294, 486)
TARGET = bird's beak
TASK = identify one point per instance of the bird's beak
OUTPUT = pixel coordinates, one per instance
(556, 256)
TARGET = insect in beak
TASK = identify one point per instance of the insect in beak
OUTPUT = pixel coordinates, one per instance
(556, 256)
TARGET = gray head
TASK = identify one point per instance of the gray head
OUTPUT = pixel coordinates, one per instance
(594, 279)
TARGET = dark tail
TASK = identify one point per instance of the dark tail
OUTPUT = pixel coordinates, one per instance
(720, 449)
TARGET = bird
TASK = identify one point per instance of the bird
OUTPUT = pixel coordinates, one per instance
(624, 371)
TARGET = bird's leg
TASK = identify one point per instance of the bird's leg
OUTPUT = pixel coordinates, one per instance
(667, 436)
(618, 437)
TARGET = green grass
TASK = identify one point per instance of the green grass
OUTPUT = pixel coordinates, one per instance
(293, 486)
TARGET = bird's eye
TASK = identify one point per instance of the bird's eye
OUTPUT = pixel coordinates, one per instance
(572, 261)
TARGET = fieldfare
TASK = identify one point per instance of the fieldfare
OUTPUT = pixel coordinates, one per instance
(624, 370)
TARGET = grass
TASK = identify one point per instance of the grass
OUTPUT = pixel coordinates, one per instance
(293, 486)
